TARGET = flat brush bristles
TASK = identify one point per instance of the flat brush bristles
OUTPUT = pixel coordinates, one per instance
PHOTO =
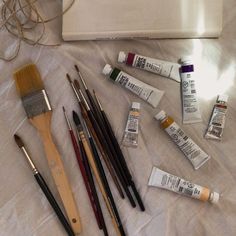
(28, 80)
(31, 89)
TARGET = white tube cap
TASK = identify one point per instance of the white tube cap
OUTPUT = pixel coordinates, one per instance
(186, 60)
(214, 198)
(222, 98)
(135, 105)
(107, 69)
(122, 57)
(161, 115)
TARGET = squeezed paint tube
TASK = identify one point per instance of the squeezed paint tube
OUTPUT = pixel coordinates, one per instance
(146, 92)
(156, 66)
(190, 149)
(131, 130)
(191, 112)
(162, 179)
(217, 121)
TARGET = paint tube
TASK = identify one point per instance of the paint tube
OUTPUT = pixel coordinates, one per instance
(132, 125)
(191, 112)
(146, 92)
(217, 121)
(162, 179)
(190, 149)
(164, 68)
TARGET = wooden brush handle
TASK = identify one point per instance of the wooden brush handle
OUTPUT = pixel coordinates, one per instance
(97, 176)
(42, 123)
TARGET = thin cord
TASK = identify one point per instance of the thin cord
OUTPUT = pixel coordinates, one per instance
(22, 20)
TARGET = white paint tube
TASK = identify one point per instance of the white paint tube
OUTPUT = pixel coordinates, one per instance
(131, 130)
(146, 92)
(162, 179)
(191, 112)
(217, 121)
(164, 68)
(190, 149)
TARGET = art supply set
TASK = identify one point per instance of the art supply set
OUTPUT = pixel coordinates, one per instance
(95, 143)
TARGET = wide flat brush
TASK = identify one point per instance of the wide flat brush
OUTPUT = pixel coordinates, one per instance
(39, 113)
(43, 185)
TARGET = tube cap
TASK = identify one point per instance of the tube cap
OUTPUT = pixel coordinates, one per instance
(214, 197)
(186, 60)
(161, 115)
(122, 57)
(222, 98)
(136, 105)
(107, 69)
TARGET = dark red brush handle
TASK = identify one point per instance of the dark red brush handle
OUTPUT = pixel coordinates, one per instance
(85, 178)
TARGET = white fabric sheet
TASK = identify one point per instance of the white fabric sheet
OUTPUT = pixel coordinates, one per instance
(24, 211)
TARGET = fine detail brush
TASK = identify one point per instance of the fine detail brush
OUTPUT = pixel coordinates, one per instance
(98, 171)
(43, 185)
(92, 185)
(39, 112)
(107, 145)
(82, 169)
(119, 152)
(97, 140)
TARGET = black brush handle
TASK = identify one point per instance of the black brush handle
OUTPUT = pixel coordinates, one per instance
(92, 185)
(106, 185)
(122, 159)
(53, 203)
(111, 154)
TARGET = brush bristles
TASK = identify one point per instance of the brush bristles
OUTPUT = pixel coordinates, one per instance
(19, 141)
(28, 80)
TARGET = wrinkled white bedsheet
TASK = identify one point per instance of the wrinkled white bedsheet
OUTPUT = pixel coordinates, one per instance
(24, 211)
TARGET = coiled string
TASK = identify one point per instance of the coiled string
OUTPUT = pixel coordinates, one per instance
(22, 19)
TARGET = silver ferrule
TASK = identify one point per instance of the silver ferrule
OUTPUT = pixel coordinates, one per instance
(36, 103)
(98, 102)
(77, 133)
(32, 166)
(86, 129)
(67, 120)
(75, 91)
(84, 100)
(82, 79)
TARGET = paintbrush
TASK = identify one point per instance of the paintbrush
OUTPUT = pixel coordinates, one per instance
(108, 146)
(92, 185)
(119, 152)
(98, 172)
(39, 112)
(43, 185)
(82, 169)
(98, 141)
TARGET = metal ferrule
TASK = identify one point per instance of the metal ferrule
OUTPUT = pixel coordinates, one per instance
(83, 82)
(84, 100)
(36, 103)
(86, 129)
(75, 91)
(31, 164)
(67, 121)
(98, 101)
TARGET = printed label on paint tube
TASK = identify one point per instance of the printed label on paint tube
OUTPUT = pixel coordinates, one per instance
(191, 112)
(217, 123)
(190, 149)
(144, 91)
(173, 183)
(132, 125)
(163, 68)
